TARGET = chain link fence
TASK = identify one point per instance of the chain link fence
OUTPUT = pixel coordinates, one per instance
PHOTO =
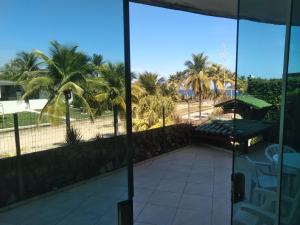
(45, 135)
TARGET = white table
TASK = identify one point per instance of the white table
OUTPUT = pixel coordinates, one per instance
(291, 160)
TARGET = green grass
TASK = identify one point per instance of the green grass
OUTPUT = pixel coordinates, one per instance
(24, 118)
(30, 118)
(79, 115)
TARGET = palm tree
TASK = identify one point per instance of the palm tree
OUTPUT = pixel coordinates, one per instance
(25, 66)
(220, 77)
(200, 84)
(169, 90)
(63, 77)
(215, 72)
(198, 63)
(150, 82)
(197, 77)
(137, 92)
(113, 89)
(177, 79)
(97, 61)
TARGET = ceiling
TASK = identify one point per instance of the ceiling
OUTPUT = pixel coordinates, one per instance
(268, 11)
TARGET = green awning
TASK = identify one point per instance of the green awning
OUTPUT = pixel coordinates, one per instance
(252, 101)
(247, 100)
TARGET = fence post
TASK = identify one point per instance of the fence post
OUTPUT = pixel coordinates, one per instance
(18, 157)
(189, 116)
(116, 121)
(164, 117)
(164, 130)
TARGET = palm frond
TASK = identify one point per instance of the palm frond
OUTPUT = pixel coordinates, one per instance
(73, 87)
(49, 62)
(37, 83)
(101, 97)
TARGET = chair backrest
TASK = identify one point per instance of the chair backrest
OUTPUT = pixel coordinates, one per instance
(257, 167)
(273, 149)
(292, 209)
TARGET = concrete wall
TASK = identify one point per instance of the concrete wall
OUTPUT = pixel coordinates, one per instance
(35, 104)
(12, 106)
(15, 106)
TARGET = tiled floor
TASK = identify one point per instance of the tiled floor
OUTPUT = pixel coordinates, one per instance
(190, 186)
(92, 203)
(187, 187)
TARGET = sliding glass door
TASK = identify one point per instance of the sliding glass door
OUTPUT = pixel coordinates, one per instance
(258, 125)
(64, 125)
(290, 183)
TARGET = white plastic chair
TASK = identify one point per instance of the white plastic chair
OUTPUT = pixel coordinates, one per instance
(264, 213)
(290, 173)
(263, 176)
(273, 149)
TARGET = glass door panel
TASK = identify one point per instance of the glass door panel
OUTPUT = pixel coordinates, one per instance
(67, 60)
(290, 184)
(260, 60)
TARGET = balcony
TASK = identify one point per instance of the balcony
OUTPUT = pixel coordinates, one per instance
(190, 185)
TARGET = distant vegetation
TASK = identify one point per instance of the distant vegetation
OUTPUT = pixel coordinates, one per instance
(268, 90)
(96, 85)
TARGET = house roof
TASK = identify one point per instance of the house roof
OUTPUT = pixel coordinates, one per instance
(252, 101)
(7, 83)
(248, 100)
(239, 128)
(267, 11)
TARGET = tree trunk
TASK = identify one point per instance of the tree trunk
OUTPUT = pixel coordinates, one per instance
(68, 123)
(116, 126)
(215, 93)
(215, 97)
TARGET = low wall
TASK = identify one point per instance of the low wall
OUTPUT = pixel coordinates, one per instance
(15, 106)
(35, 104)
(44, 171)
(12, 106)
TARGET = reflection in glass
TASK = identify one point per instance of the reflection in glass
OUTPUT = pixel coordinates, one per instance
(290, 195)
(256, 127)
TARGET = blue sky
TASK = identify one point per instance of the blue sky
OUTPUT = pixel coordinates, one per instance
(161, 39)
(97, 27)
(294, 66)
(261, 49)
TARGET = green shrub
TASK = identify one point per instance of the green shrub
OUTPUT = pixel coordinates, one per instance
(268, 90)
(73, 137)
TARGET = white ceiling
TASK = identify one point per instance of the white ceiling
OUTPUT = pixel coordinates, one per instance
(269, 11)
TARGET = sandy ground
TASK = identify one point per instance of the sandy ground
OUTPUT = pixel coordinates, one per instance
(182, 107)
(182, 110)
(42, 138)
